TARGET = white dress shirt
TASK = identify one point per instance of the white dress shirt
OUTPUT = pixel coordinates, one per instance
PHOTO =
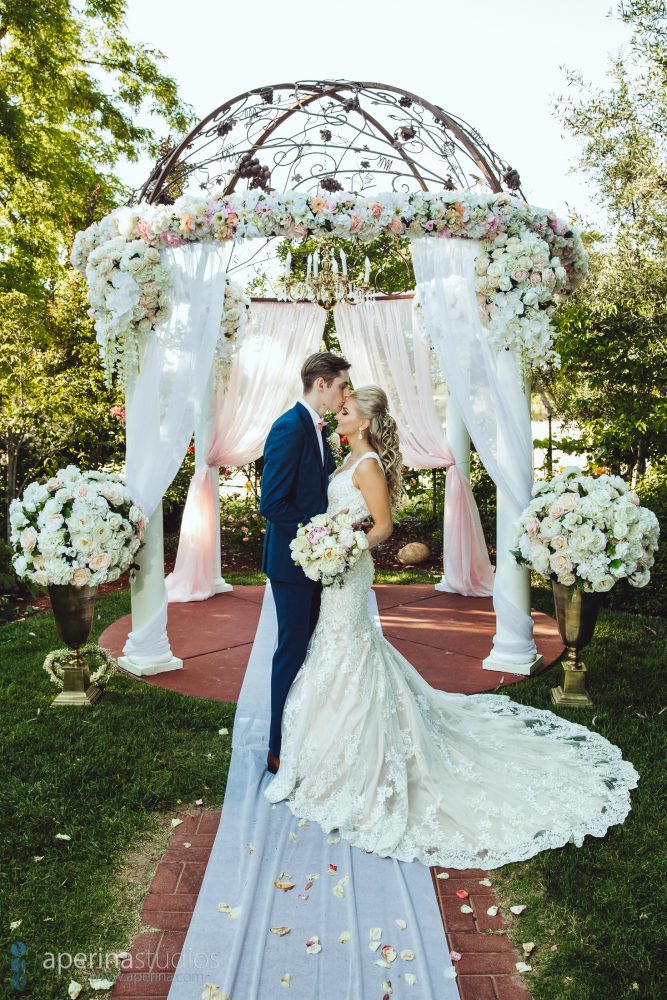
(317, 419)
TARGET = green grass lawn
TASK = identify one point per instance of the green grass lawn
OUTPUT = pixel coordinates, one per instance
(111, 778)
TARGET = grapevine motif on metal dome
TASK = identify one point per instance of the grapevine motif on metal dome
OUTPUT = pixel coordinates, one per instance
(328, 136)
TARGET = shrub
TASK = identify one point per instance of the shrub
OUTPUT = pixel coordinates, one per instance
(12, 588)
(241, 526)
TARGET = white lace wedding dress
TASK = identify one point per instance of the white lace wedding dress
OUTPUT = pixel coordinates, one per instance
(401, 769)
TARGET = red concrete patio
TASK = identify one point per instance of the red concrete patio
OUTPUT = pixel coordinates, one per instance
(445, 636)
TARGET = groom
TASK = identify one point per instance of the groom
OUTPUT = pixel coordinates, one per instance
(297, 465)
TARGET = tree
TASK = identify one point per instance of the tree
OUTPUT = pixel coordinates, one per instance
(71, 87)
(612, 334)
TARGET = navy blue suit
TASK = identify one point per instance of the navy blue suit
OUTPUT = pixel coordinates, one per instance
(294, 489)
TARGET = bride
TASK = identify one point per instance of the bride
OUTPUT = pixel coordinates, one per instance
(401, 769)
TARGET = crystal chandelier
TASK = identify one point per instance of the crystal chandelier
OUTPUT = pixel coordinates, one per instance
(327, 280)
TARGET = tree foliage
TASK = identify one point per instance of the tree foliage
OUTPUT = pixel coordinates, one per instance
(612, 334)
(72, 87)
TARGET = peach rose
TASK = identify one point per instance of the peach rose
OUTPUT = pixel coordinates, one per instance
(298, 230)
(632, 497)
(376, 210)
(317, 205)
(355, 225)
(397, 226)
(80, 576)
(99, 561)
(568, 501)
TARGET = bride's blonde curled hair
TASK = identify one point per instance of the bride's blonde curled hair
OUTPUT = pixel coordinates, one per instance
(382, 436)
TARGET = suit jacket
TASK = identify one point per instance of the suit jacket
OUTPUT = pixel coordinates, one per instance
(294, 488)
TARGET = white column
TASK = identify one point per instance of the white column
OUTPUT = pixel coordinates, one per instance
(203, 437)
(459, 442)
(147, 650)
(512, 580)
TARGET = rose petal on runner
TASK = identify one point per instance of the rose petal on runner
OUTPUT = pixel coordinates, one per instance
(250, 848)
(224, 907)
(235, 913)
(442, 875)
(401, 924)
(407, 955)
(462, 893)
(388, 953)
(383, 964)
(523, 967)
(285, 886)
(313, 946)
(450, 973)
(344, 938)
(333, 840)
(492, 911)
(410, 978)
(302, 895)
(286, 979)
(312, 878)
(485, 881)
(280, 931)
(303, 823)
(466, 909)
(292, 836)
(332, 869)
(455, 956)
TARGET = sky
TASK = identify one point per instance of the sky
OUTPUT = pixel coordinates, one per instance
(496, 63)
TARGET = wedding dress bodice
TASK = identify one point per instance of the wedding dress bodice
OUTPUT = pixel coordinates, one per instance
(405, 770)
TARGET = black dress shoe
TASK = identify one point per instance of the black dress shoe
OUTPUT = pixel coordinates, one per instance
(272, 763)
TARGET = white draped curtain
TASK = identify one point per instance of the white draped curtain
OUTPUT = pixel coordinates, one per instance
(264, 382)
(160, 404)
(490, 393)
(388, 348)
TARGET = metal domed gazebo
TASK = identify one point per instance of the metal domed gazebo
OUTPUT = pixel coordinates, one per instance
(328, 135)
(321, 160)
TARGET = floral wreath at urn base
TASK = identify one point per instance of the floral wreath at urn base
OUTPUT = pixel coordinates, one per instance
(100, 662)
(528, 258)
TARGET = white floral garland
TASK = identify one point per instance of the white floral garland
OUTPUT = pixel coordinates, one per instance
(587, 532)
(128, 293)
(528, 257)
(58, 659)
(232, 331)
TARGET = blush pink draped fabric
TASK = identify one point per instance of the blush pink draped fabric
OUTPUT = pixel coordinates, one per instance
(264, 382)
(388, 346)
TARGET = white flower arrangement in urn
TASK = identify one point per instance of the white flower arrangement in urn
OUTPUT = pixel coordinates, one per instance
(584, 533)
(587, 532)
(73, 532)
(78, 528)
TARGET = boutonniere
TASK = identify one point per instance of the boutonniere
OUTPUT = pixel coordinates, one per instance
(333, 437)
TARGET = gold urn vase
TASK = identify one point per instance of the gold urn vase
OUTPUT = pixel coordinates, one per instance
(576, 614)
(73, 609)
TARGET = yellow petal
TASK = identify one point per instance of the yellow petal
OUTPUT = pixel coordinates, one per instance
(286, 979)
(285, 886)
(280, 931)
(74, 989)
(344, 938)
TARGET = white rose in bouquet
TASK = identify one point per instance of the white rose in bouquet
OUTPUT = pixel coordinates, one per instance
(327, 547)
(587, 531)
(85, 533)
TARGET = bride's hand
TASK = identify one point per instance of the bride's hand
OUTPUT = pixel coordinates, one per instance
(364, 526)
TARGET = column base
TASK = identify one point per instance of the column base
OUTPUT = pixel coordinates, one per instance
(144, 666)
(512, 664)
(220, 586)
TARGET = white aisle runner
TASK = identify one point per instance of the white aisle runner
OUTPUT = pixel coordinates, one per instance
(256, 843)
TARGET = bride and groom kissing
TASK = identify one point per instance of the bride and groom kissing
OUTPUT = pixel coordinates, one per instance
(358, 741)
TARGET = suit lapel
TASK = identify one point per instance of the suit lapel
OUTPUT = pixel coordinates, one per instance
(306, 419)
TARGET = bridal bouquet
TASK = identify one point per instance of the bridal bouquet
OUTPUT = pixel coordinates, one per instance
(78, 528)
(327, 547)
(587, 531)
